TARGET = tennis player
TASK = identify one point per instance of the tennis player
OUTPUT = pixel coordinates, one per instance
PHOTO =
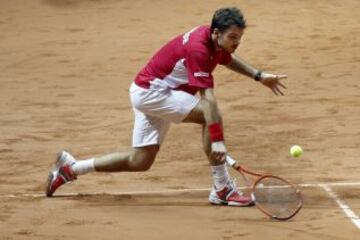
(164, 92)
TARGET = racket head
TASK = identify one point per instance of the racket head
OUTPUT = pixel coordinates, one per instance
(243, 170)
(277, 197)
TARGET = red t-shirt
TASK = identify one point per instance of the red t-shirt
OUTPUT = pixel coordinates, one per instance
(185, 63)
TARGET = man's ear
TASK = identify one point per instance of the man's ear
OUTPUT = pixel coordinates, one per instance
(216, 32)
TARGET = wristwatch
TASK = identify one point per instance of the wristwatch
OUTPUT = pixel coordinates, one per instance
(257, 76)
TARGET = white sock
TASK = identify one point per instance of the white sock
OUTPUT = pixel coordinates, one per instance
(220, 175)
(83, 167)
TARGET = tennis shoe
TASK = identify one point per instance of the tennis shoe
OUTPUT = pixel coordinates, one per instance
(229, 196)
(61, 173)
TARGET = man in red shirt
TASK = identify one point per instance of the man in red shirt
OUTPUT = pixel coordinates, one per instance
(164, 92)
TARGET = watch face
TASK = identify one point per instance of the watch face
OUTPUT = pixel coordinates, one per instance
(258, 76)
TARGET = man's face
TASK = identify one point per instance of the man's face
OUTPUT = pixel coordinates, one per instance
(230, 39)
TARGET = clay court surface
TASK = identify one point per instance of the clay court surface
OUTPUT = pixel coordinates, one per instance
(65, 70)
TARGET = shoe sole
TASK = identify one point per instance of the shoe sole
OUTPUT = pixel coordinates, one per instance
(236, 204)
(233, 204)
(55, 168)
(230, 203)
(48, 185)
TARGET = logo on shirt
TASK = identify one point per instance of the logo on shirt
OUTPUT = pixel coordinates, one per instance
(201, 74)
(187, 35)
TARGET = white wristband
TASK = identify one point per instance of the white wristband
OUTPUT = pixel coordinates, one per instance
(230, 161)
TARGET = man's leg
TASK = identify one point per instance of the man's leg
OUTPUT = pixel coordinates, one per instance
(150, 127)
(140, 159)
(66, 168)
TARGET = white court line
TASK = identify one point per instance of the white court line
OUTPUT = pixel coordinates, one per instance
(159, 192)
(333, 184)
(163, 192)
(343, 206)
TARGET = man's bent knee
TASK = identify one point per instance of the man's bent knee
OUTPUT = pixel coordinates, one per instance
(196, 115)
(143, 158)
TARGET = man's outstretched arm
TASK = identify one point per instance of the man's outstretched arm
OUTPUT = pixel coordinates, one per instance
(267, 79)
(240, 66)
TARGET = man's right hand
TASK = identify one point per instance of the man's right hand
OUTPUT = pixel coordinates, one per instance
(218, 150)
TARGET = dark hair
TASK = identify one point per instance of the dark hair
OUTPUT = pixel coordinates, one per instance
(224, 18)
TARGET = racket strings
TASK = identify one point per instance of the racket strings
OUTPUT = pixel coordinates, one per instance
(277, 197)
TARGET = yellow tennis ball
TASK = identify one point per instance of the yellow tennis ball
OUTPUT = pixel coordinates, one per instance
(296, 151)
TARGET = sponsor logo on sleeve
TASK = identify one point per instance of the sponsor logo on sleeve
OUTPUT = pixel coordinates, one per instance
(201, 74)
(187, 35)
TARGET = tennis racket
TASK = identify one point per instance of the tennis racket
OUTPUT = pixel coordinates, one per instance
(273, 195)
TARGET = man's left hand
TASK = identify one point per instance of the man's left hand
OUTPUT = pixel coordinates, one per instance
(272, 81)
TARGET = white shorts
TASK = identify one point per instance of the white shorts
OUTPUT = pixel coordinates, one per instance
(155, 109)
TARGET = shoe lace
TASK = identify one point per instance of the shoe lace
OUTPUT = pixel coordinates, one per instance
(232, 185)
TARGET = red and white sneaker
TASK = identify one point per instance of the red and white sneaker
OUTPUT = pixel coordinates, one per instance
(230, 196)
(61, 173)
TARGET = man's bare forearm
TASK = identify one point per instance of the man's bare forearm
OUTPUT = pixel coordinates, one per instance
(214, 127)
(211, 112)
(240, 66)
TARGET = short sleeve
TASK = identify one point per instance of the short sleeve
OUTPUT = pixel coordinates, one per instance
(198, 66)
